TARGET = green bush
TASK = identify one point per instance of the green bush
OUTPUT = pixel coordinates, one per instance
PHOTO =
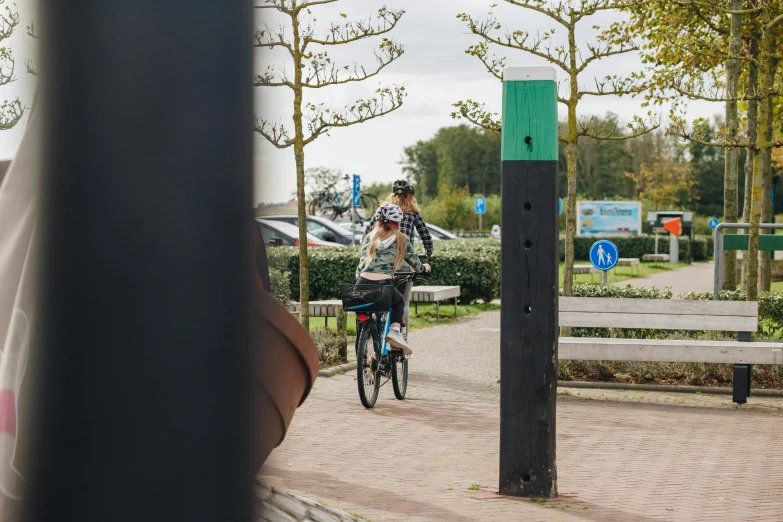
(280, 283)
(638, 246)
(472, 264)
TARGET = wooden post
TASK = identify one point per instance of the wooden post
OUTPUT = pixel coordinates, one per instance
(529, 283)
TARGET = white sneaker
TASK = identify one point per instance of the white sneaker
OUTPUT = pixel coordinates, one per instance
(398, 341)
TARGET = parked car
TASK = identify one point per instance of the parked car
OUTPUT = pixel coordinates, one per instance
(439, 233)
(278, 233)
(322, 228)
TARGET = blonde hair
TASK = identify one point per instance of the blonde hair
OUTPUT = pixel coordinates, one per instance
(407, 202)
(385, 231)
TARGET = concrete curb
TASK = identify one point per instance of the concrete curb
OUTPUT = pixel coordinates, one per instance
(664, 388)
(337, 370)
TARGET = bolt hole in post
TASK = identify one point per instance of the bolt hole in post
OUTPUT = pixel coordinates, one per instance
(528, 140)
(525, 477)
(528, 244)
(528, 205)
(528, 309)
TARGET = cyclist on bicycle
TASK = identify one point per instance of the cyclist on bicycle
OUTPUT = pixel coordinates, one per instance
(384, 250)
(403, 195)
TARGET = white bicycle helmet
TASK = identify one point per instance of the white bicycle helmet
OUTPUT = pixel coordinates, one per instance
(391, 213)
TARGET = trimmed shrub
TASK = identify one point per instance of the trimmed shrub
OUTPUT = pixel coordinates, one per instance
(472, 264)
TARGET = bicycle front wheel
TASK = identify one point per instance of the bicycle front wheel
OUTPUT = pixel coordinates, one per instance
(399, 375)
(368, 355)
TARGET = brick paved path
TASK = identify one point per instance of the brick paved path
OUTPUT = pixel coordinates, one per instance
(621, 456)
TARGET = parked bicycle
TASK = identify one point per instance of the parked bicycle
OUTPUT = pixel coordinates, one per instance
(375, 359)
(332, 203)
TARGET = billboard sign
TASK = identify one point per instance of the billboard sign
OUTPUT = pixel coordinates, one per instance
(609, 218)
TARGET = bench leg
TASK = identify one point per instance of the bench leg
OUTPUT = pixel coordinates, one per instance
(326, 322)
(342, 331)
(455, 308)
(437, 310)
(416, 308)
(741, 386)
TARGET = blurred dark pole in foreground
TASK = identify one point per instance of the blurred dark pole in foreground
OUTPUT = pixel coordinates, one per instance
(142, 355)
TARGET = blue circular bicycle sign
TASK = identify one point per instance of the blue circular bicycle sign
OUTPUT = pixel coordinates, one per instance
(604, 255)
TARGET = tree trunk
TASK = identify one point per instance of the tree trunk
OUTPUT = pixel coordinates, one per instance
(304, 265)
(731, 174)
(764, 122)
(753, 86)
(571, 153)
(765, 283)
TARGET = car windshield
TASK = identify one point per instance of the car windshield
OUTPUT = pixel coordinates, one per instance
(286, 228)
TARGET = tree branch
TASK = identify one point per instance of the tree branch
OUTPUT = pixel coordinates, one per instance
(11, 113)
(321, 121)
(477, 114)
(349, 32)
(274, 133)
(556, 13)
(323, 72)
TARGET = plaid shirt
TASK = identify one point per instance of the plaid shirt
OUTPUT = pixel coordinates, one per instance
(410, 222)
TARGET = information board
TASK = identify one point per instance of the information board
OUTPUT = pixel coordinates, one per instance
(608, 218)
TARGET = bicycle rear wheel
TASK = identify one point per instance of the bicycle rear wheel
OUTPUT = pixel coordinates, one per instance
(368, 205)
(368, 354)
(399, 375)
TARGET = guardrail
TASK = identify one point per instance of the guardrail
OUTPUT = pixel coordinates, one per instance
(718, 252)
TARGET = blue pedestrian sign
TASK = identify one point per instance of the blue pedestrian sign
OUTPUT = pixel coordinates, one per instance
(481, 206)
(357, 191)
(604, 255)
(714, 223)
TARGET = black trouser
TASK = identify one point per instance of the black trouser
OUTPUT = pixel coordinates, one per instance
(398, 302)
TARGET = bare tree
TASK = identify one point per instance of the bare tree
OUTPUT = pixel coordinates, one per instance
(312, 68)
(11, 111)
(569, 16)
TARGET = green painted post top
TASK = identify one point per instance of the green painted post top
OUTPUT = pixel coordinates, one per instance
(529, 121)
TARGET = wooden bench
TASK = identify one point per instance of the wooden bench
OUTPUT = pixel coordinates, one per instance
(434, 294)
(629, 261)
(327, 309)
(665, 314)
(655, 257)
(586, 269)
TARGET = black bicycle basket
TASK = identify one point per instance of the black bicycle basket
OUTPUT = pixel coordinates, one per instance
(367, 298)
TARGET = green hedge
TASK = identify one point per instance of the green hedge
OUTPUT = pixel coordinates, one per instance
(474, 265)
(638, 246)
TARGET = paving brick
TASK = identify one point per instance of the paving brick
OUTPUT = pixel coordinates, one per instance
(621, 455)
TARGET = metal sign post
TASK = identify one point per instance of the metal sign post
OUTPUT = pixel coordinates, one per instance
(357, 199)
(481, 209)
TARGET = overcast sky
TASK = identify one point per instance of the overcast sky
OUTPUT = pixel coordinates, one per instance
(434, 68)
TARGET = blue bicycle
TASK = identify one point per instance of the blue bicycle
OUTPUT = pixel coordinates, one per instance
(375, 359)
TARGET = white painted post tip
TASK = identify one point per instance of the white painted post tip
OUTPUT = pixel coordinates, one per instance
(529, 73)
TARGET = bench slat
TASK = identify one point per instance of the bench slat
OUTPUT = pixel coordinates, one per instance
(599, 305)
(434, 293)
(728, 352)
(659, 321)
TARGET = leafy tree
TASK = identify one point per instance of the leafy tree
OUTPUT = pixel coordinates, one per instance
(667, 183)
(568, 16)
(11, 111)
(691, 42)
(312, 69)
(458, 156)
